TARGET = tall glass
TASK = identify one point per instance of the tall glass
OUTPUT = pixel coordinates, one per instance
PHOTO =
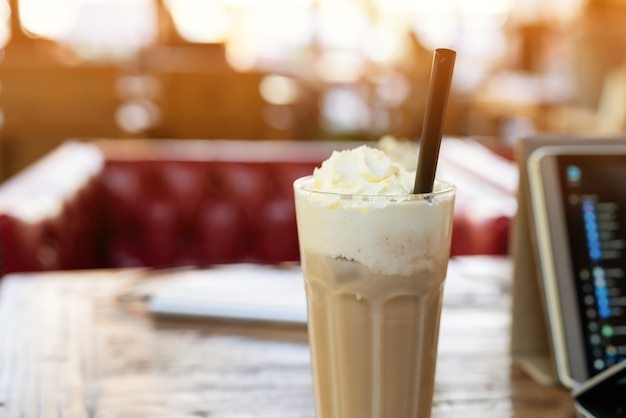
(374, 269)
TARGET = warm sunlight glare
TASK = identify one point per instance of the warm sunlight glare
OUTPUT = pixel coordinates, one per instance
(418, 6)
(279, 90)
(485, 12)
(257, 3)
(5, 25)
(242, 53)
(48, 18)
(381, 43)
(489, 7)
(201, 20)
(94, 29)
(341, 25)
(340, 67)
(277, 31)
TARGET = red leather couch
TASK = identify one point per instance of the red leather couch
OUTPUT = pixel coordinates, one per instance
(105, 204)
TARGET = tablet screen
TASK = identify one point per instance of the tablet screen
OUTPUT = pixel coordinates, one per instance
(593, 190)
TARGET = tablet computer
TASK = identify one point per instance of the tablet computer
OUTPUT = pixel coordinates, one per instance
(603, 395)
(578, 199)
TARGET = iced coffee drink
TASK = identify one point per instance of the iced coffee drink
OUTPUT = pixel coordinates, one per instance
(374, 258)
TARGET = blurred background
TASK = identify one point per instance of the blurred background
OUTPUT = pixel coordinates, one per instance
(302, 69)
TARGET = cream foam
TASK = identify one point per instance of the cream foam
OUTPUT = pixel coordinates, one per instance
(358, 206)
(365, 171)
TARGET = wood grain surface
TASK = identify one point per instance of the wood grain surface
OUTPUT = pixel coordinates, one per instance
(79, 344)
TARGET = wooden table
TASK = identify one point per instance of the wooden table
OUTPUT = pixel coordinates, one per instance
(75, 344)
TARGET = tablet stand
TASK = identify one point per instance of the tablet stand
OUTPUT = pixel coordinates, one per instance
(531, 342)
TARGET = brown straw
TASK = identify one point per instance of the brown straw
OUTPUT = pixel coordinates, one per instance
(432, 131)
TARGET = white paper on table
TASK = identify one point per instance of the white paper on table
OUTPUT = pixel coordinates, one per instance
(239, 291)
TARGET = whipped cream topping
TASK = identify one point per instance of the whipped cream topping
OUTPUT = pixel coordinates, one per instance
(381, 225)
(363, 171)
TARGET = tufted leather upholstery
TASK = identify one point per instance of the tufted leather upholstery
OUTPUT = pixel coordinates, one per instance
(197, 212)
(169, 203)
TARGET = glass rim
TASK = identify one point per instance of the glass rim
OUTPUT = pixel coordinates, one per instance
(448, 188)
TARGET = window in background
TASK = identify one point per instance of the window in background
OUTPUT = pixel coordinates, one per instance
(201, 20)
(271, 36)
(255, 33)
(5, 24)
(95, 29)
(354, 57)
(50, 19)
